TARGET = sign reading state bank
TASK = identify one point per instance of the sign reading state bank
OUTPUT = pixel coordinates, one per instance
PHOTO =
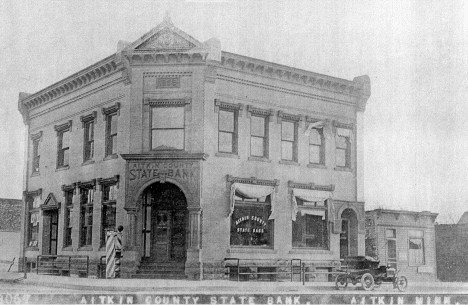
(179, 170)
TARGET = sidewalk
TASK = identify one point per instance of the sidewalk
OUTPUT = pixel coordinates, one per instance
(225, 286)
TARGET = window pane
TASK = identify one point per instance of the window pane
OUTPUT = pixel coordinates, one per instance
(341, 142)
(286, 150)
(65, 158)
(257, 126)
(287, 131)
(113, 124)
(314, 137)
(113, 149)
(391, 248)
(65, 139)
(314, 154)
(256, 146)
(168, 139)
(250, 226)
(225, 142)
(226, 121)
(340, 157)
(170, 117)
(310, 231)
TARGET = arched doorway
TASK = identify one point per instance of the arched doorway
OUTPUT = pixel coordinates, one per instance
(349, 233)
(165, 223)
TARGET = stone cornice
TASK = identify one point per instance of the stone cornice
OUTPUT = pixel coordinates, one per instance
(69, 84)
(359, 87)
(145, 57)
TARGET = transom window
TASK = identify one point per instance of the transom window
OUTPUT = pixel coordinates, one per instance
(258, 136)
(167, 127)
(289, 140)
(316, 146)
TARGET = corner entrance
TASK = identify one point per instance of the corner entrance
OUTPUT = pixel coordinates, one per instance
(165, 223)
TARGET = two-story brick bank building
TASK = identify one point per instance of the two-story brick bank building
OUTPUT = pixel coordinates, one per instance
(201, 155)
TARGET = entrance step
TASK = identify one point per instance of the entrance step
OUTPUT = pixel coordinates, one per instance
(162, 270)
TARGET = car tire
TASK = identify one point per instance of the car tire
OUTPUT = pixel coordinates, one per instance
(402, 283)
(341, 281)
(367, 281)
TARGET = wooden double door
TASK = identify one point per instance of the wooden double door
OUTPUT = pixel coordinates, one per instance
(165, 215)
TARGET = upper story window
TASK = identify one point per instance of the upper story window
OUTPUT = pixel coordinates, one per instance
(259, 131)
(228, 117)
(416, 247)
(63, 144)
(343, 147)
(289, 136)
(89, 122)
(316, 146)
(168, 127)
(111, 115)
(36, 138)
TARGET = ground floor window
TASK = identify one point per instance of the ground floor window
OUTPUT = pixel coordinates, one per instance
(250, 225)
(108, 211)
(310, 230)
(86, 216)
(68, 224)
(416, 247)
(33, 220)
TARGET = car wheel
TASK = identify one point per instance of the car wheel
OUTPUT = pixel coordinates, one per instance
(402, 283)
(367, 281)
(341, 281)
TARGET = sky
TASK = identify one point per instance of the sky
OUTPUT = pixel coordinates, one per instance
(415, 53)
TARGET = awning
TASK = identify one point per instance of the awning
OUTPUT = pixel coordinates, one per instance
(314, 212)
(344, 132)
(307, 196)
(251, 191)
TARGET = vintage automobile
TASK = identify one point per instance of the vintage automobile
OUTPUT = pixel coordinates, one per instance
(366, 270)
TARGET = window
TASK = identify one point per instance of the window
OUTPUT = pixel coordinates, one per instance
(108, 211)
(227, 135)
(416, 247)
(167, 127)
(390, 235)
(288, 141)
(310, 227)
(36, 157)
(316, 146)
(68, 223)
(250, 225)
(111, 135)
(343, 147)
(86, 216)
(259, 136)
(63, 149)
(33, 202)
(111, 114)
(63, 144)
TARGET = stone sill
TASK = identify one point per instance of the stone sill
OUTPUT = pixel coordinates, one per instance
(251, 250)
(32, 248)
(309, 251)
(110, 157)
(87, 162)
(260, 159)
(287, 162)
(316, 165)
(85, 248)
(227, 155)
(68, 248)
(343, 169)
(62, 168)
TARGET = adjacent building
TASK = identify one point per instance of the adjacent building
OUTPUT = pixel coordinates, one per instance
(10, 232)
(403, 239)
(452, 250)
(201, 155)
